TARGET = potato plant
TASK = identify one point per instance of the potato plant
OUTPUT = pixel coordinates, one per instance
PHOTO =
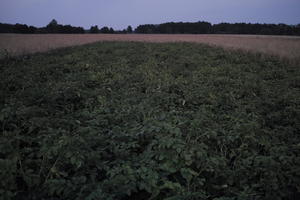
(130, 121)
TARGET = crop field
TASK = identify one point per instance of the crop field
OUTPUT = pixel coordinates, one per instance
(141, 121)
(282, 46)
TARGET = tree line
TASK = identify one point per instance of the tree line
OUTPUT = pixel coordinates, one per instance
(222, 28)
(200, 27)
(54, 27)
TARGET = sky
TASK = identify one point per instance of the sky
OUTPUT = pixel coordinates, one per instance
(121, 13)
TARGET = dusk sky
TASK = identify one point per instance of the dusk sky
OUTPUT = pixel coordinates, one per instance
(121, 13)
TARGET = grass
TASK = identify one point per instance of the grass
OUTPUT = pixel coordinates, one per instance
(119, 120)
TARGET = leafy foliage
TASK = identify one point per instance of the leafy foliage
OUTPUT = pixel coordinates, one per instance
(121, 121)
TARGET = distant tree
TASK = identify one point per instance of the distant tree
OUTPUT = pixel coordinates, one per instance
(94, 29)
(111, 30)
(80, 30)
(105, 29)
(129, 29)
(21, 28)
(297, 29)
(32, 29)
(53, 23)
(52, 27)
(147, 28)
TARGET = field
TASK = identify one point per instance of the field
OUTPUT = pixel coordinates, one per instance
(283, 46)
(127, 120)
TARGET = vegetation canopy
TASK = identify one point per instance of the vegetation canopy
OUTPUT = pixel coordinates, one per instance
(120, 121)
(200, 27)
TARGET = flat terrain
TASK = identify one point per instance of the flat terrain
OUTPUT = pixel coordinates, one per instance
(141, 121)
(283, 46)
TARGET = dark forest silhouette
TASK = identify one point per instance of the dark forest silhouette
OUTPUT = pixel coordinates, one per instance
(52, 27)
(165, 28)
(222, 28)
